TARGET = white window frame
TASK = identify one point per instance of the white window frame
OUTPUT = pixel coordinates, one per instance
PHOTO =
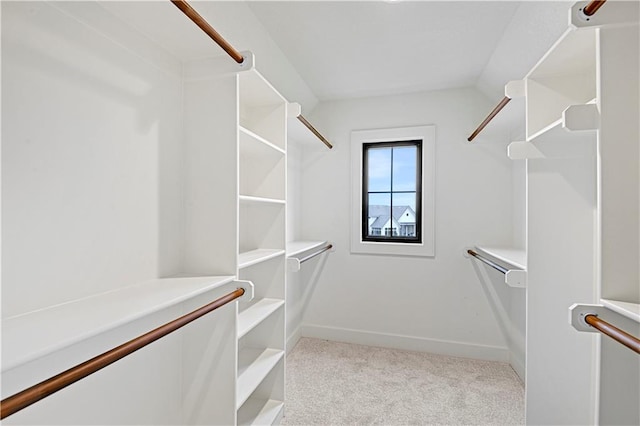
(428, 136)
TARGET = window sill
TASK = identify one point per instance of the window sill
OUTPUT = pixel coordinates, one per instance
(392, 248)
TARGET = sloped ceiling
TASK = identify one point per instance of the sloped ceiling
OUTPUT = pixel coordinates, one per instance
(344, 49)
(355, 49)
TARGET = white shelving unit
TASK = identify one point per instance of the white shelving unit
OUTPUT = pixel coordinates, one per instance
(243, 170)
(261, 257)
(582, 239)
(561, 227)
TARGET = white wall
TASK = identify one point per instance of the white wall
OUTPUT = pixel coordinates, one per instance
(435, 304)
(92, 160)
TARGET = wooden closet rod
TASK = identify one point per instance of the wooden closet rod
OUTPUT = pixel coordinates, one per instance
(614, 332)
(208, 29)
(314, 131)
(593, 7)
(492, 114)
(43, 389)
(488, 262)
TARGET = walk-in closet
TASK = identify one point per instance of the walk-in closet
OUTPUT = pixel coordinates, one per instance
(319, 212)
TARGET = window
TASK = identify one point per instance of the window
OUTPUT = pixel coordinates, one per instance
(391, 192)
(393, 183)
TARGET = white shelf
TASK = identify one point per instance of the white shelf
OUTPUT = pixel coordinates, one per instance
(250, 199)
(565, 76)
(253, 366)
(512, 257)
(30, 336)
(255, 314)
(295, 248)
(515, 261)
(260, 412)
(256, 91)
(554, 141)
(262, 109)
(256, 256)
(255, 145)
(626, 309)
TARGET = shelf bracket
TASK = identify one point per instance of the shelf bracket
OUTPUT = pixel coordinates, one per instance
(516, 278)
(293, 263)
(515, 89)
(612, 13)
(249, 289)
(581, 117)
(204, 69)
(578, 311)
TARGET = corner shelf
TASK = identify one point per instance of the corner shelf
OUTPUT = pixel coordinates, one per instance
(515, 261)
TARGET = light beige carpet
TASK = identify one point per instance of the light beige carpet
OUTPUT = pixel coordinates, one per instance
(330, 383)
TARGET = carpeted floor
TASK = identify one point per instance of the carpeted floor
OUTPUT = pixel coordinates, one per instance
(330, 383)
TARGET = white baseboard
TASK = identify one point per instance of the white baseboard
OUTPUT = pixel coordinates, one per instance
(410, 343)
(293, 338)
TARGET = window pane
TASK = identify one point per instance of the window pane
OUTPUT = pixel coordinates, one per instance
(379, 213)
(405, 199)
(404, 213)
(379, 169)
(404, 168)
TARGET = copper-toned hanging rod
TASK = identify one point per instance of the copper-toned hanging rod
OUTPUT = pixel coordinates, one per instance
(593, 7)
(314, 131)
(208, 29)
(43, 389)
(614, 332)
(486, 121)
